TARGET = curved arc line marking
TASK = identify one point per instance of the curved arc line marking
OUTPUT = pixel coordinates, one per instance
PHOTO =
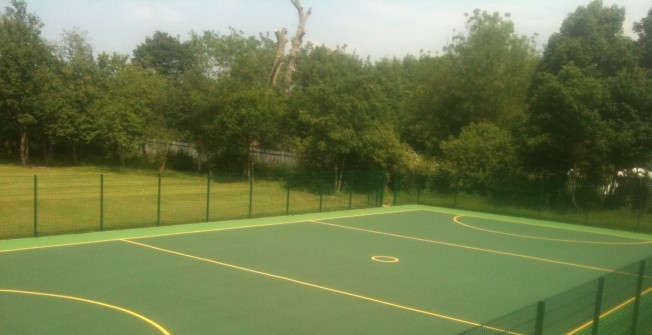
(456, 219)
(296, 281)
(98, 303)
(455, 245)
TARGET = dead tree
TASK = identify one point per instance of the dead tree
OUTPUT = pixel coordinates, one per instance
(296, 41)
(281, 42)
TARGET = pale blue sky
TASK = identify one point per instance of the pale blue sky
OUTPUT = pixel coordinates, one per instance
(375, 28)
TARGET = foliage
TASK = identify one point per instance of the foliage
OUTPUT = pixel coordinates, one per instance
(25, 72)
(490, 105)
(482, 158)
(590, 100)
(483, 76)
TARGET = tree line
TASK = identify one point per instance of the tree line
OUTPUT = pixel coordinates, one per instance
(489, 105)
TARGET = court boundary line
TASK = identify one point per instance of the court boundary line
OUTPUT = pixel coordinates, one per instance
(411, 208)
(456, 245)
(549, 224)
(321, 287)
(93, 302)
(467, 225)
(210, 230)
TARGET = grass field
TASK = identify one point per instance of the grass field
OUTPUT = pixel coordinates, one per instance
(71, 199)
(402, 270)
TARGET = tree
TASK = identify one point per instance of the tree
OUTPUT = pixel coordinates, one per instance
(483, 158)
(592, 39)
(590, 101)
(229, 102)
(566, 127)
(69, 121)
(339, 106)
(25, 72)
(128, 113)
(644, 31)
(164, 54)
(484, 76)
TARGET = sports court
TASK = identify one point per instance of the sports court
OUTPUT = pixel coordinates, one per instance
(399, 270)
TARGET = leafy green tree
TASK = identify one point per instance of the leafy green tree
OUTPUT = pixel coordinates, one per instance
(163, 53)
(483, 158)
(69, 123)
(644, 31)
(228, 102)
(592, 39)
(567, 129)
(590, 102)
(343, 113)
(26, 75)
(128, 113)
(483, 76)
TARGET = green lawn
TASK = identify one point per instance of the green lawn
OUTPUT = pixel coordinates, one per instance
(71, 199)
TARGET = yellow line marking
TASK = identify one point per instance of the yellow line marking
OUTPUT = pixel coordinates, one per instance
(198, 231)
(570, 227)
(456, 219)
(607, 313)
(385, 259)
(601, 269)
(120, 309)
(295, 281)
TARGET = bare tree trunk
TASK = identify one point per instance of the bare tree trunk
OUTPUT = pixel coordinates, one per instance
(24, 147)
(296, 41)
(282, 41)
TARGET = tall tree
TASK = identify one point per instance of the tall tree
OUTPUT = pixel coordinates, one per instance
(592, 38)
(128, 112)
(567, 129)
(26, 74)
(483, 76)
(644, 31)
(342, 113)
(164, 54)
(589, 103)
(70, 123)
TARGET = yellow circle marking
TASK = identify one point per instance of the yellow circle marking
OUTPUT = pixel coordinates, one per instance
(120, 309)
(385, 259)
(457, 220)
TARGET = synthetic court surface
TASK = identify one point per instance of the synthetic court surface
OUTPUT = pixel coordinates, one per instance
(401, 270)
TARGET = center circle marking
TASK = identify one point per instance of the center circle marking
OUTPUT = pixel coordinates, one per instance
(385, 259)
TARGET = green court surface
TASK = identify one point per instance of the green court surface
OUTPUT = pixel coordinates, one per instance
(401, 270)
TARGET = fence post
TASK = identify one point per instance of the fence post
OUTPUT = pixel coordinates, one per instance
(637, 300)
(381, 185)
(395, 188)
(287, 196)
(208, 196)
(419, 185)
(350, 190)
(321, 190)
(251, 194)
(598, 307)
(101, 202)
(35, 206)
(158, 202)
(541, 311)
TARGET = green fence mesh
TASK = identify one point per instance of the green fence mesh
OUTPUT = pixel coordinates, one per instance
(67, 203)
(624, 308)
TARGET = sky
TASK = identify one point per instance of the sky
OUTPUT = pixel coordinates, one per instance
(370, 28)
